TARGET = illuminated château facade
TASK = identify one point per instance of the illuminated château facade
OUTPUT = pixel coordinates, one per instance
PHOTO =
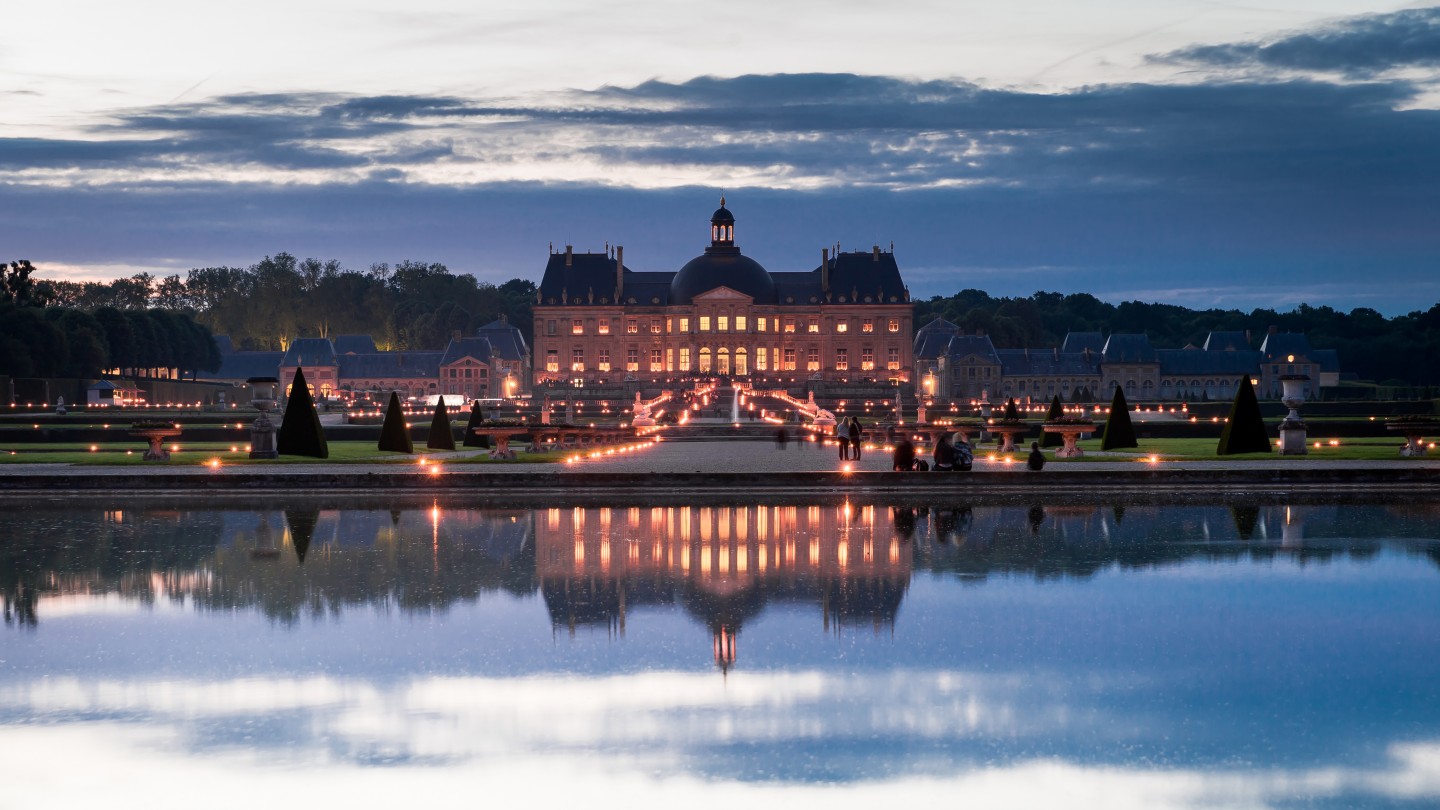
(598, 322)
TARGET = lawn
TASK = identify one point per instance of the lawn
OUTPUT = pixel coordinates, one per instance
(1369, 449)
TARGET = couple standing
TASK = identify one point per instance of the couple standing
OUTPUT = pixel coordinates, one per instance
(850, 437)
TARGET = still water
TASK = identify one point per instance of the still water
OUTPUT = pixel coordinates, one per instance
(371, 653)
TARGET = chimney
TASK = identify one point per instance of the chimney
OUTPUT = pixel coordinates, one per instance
(875, 253)
(825, 269)
(569, 255)
(619, 272)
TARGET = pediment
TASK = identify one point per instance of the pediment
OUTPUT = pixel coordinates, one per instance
(721, 293)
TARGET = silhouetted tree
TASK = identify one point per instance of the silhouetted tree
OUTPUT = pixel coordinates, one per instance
(440, 436)
(1119, 432)
(395, 434)
(1244, 431)
(300, 432)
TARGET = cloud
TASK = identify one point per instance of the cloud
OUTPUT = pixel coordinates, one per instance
(1357, 46)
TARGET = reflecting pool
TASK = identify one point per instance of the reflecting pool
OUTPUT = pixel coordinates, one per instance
(1045, 653)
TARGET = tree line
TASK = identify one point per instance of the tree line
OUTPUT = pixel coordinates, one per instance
(1404, 349)
(39, 338)
(412, 305)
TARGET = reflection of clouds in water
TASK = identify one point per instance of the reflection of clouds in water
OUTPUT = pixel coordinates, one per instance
(139, 767)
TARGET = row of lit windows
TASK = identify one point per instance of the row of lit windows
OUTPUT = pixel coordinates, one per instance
(718, 323)
(720, 360)
(465, 373)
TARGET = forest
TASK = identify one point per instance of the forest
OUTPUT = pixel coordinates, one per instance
(64, 328)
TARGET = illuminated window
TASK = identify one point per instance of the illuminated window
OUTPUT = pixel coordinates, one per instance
(684, 325)
(867, 325)
(577, 360)
(632, 359)
(632, 326)
(669, 359)
(684, 358)
(669, 326)
(704, 359)
(867, 358)
(842, 359)
(742, 361)
(892, 359)
(740, 323)
(604, 362)
(789, 359)
(655, 326)
(893, 325)
(657, 360)
(790, 326)
(722, 323)
(762, 359)
(842, 326)
(552, 360)
(704, 323)
(603, 327)
(812, 325)
(812, 359)
(760, 324)
(577, 327)
(722, 360)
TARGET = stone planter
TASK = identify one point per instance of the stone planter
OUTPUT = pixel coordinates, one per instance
(156, 437)
(500, 437)
(1415, 433)
(1007, 432)
(1069, 434)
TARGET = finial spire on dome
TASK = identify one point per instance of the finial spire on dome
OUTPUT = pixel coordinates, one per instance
(722, 198)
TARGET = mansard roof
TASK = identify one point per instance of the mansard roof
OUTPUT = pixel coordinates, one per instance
(506, 339)
(309, 352)
(932, 339)
(1128, 348)
(1193, 362)
(857, 275)
(587, 278)
(355, 344)
(1047, 363)
(1327, 359)
(961, 346)
(476, 347)
(244, 365)
(1279, 345)
(390, 364)
(1081, 341)
(1227, 342)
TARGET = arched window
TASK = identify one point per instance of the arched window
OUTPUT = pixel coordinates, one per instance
(705, 359)
(742, 361)
(722, 360)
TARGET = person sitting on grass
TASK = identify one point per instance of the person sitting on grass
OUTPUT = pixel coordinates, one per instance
(944, 455)
(1036, 461)
(904, 456)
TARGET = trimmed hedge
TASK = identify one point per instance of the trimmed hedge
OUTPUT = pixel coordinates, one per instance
(300, 432)
(471, 440)
(1056, 411)
(440, 436)
(394, 434)
(1245, 431)
(1119, 431)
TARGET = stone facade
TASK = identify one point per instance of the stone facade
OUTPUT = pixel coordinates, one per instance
(600, 323)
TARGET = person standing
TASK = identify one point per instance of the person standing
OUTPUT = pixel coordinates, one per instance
(856, 434)
(843, 441)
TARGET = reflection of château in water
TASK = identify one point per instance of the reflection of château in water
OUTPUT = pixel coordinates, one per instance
(722, 564)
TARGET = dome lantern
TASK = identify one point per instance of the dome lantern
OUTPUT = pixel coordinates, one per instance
(722, 227)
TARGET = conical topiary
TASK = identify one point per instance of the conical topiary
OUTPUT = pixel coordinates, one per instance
(1119, 432)
(440, 437)
(395, 434)
(302, 529)
(1012, 413)
(300, 432)
(1245, 429)
(471, 440)
(1056, 411)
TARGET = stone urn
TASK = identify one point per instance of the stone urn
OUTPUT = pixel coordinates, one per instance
(1070, 432)
(156, 436)
(1292, 429)
(1008, 431)
(262, 432)
(1415, 431)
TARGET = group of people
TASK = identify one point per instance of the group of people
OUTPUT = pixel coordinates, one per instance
(950, 457)
(850, 437)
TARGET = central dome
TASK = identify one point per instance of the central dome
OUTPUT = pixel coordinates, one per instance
(722, 266)
(704, 273)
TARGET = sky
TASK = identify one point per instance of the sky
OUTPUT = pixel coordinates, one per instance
(1184, 151)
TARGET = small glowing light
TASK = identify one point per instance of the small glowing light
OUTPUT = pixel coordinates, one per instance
(247, 448)
(1317, 445)
(1154, 459)
(214, 463)
(1009, 460)
(127, 452)
(1334, 443)
(845, 467)
(174, 448)
(94, 447)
